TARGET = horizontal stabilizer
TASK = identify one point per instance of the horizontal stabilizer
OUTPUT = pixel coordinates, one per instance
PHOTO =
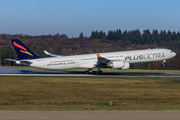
(53, 55)
(20, 62)
(11, 60)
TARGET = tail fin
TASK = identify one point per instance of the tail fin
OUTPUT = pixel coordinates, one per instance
(22, 51)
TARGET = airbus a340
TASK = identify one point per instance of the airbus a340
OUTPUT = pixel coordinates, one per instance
(115, 60)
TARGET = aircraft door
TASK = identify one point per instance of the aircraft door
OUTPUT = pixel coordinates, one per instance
(122, 57)
(45, 63)
(166, 53)
(76, 60)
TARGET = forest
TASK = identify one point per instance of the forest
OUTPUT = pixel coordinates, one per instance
(99, 41)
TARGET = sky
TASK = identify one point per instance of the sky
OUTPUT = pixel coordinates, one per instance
(71, 17)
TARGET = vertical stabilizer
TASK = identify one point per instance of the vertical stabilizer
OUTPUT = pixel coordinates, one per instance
(22, 51)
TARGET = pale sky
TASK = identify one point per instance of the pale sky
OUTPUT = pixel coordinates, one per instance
(71, 17)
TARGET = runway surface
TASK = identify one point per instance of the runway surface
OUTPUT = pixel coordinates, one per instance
(108, 74)
(89, 115)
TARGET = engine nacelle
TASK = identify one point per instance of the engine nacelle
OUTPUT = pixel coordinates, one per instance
(126, 66)
(119, 65)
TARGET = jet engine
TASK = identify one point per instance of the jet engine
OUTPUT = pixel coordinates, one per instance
(126, 66)
(119, 64)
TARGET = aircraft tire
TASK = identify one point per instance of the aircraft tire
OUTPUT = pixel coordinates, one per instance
(86, 72)
(94, 72)
(163, 65)
(100, 72)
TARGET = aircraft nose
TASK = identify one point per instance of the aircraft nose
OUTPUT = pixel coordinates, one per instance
(173, 54)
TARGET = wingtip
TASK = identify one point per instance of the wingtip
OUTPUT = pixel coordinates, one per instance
(46, 52)
(99, 56)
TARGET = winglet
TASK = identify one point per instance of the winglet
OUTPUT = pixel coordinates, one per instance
(46, 52)
(99, 56)
(53, 55)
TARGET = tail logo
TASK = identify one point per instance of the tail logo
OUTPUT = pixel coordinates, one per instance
(23, 49)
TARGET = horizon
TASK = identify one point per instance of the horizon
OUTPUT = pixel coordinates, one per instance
(90, 35)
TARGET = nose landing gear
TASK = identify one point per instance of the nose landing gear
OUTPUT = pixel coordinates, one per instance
(163, 63)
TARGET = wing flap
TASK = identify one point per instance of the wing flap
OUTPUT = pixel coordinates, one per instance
(102, 60)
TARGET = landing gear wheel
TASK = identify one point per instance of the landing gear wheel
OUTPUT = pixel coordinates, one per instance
(100, 72)
(89, 72)
(163, 64)
(86, 72)
(94, 72)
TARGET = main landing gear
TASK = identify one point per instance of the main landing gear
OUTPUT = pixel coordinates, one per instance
(90, 71)
(163, 63)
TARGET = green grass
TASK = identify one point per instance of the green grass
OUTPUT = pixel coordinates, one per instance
(82, 93)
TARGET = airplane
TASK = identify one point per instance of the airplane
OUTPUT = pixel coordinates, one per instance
(116, 60)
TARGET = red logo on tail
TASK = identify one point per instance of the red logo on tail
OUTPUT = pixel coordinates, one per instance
(15, 44)
(21, 47)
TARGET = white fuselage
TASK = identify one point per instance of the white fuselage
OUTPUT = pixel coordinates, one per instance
(90, 60)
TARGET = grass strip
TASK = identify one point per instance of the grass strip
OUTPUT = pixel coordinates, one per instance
(82, 93)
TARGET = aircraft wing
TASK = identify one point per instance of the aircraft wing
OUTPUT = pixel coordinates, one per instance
(53, 55)
(102, 60)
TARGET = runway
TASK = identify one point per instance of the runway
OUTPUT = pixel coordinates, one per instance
(74, 74)
(89, 115)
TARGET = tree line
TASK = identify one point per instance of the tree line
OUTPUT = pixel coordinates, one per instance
(98, 42)
(136, 37)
